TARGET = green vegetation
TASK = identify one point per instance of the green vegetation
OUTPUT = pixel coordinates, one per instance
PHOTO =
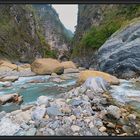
(113, 20)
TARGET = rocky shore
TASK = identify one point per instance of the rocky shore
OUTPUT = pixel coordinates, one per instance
(79, 112)
(86, 109)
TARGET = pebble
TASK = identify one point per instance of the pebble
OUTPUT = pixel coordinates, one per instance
(91, 125)
(73, 117)
(31, 132)
(117, 131)
(53, 111)
(124, 134)
(102, 129)
(38, 113)
(87, 120)
(55, 124)
(127, 129)
(24, 126)
(75, 128)
(75, 102)
(131, 116)
(47, 117)
(48, 132)
(114, 111)
(111, 125)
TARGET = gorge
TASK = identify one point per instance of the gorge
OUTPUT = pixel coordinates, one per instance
(56, 83)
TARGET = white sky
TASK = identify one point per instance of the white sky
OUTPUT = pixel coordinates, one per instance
(67, 14)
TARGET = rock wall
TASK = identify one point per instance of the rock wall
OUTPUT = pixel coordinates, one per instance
(96, 23)
(120, 54)
(30, 31)
(54, 31)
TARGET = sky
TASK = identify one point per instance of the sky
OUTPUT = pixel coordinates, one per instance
(67, 14)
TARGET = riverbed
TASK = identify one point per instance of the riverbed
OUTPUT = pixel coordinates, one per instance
(33, 87)
(127, 93)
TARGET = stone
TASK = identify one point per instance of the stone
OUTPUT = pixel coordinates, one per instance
(54, 74)
(132, 117)
(127, 129)
(48, 132)
(68, 64)
(110, 125)
(65, 130)
(24, 116)
(24, 126)
(97, 122)
(90, 95)
(47, 117)
(10, 98)
(87, 120)
(124, 134)
(73, 117)
(38, 113)
(75, 128)
(75, 102)
(43, 100)
(8, 64)
(55, 124)
(97, 85)
(10, 78)
(53, 111)
(8, 128)
(56, 80)
(119, 55)
(70, 70)
(84, 75)
(16, 112)
(23, 67)
(95, 131)
(47, 66)
(91, 125)
(81, 68)
(31, 132)
(65, 77)
(114, 111)
(82, 89)
(102, 129)
(25, 107)
(66, 109)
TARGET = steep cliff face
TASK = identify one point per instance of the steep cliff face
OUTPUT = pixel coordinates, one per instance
(30, 31)
(54, 31)
(120, 54)
(96, 23)
(18, 38)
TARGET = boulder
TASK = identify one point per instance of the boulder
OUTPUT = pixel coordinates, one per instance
(68, 64)
(119, 55)
(9, 78)
(23, 67)
(84, 75)
(47, 66)
(8, 128)
(97, 84)
(8, 64)
(15, 98)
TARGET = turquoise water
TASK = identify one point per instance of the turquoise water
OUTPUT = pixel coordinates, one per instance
(128, 92)
(31, 91)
